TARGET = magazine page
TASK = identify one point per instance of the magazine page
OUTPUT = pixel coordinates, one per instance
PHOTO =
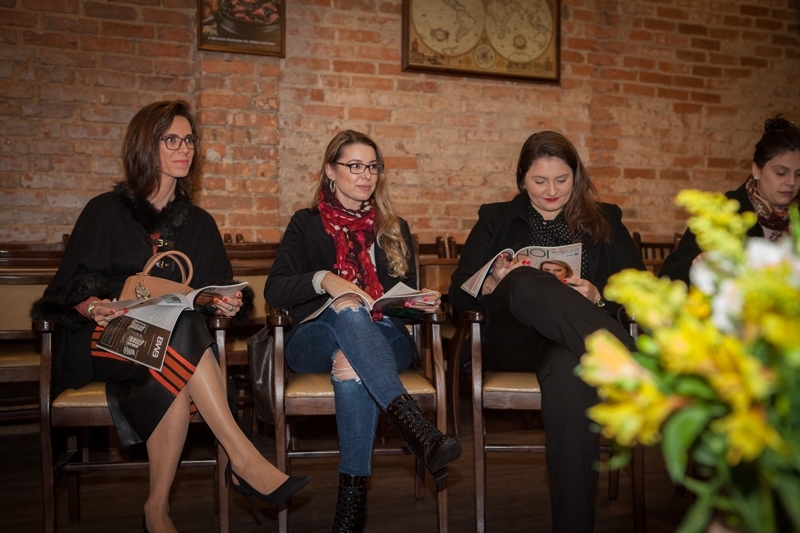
(564, 258)
(399, 293)
(474, 283)
(142, 333)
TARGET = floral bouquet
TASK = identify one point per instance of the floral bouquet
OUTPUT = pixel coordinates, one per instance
(716, 379)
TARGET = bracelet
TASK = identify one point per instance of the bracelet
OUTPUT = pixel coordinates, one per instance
(600, 302)
(90, 309)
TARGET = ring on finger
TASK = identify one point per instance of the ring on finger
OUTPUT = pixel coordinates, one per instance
(106, 319)
(231, 308)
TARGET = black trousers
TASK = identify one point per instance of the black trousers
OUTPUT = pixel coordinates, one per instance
(538, 324)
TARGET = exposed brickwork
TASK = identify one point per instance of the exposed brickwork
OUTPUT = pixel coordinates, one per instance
(658, 95)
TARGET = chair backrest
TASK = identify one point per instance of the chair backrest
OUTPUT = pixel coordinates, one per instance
(653, 253)
(435, 249)
(453, 248)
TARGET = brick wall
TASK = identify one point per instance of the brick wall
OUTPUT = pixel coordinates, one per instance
(658, 95)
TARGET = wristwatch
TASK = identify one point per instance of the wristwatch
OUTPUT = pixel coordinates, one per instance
(90, 309)
(600, 302)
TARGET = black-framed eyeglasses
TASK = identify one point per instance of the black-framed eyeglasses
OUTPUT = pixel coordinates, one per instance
(359, 168)
(173, 142)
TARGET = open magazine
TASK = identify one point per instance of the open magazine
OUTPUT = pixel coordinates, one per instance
(530, 256)
(394, 298)
(142, 334)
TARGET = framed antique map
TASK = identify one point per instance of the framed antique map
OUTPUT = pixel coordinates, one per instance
(243, 26)
(516, 39)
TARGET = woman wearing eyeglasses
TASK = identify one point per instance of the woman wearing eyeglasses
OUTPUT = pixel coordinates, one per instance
(117, 232)
(351, 240)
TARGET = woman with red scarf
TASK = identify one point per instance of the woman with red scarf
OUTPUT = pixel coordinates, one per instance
(773, 185)
(351, 240)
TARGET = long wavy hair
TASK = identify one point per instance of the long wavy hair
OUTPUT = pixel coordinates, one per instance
(583, 209)
(389, 236)
(141, 150)
(780, 136)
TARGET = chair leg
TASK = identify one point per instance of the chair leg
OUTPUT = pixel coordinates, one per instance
(454, 374)
(441, 505)
(48, 479)
(221, 491)
(637, 487)
(419, 480)
(613, 484)
(282, 439)
(73, 481)
(480, 473)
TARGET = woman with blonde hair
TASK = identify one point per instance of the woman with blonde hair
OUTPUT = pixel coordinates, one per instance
(350, 240)
(559, 269)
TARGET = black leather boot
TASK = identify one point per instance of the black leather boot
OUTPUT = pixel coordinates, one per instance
(351, 508)
(424, 440)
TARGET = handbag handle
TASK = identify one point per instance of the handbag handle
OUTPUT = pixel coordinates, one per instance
(175, 254)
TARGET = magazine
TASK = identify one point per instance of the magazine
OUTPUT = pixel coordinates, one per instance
(142, 333)
(394, 298)
(529, 256)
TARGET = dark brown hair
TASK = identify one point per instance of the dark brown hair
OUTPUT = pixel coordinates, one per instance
(141, 150)
(583, 209)
(780, 136)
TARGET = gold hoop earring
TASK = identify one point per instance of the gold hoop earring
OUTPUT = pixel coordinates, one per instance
(332, 186)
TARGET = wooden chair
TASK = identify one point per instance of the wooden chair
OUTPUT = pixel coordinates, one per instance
(302, 395)
(88, 407)
(19, 353)
(453, 248)
(437, 249)
(520, 391)
(654, 253)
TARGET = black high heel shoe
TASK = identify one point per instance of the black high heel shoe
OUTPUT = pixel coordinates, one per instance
(274, 498)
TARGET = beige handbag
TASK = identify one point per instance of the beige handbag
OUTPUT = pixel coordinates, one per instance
(142, 286)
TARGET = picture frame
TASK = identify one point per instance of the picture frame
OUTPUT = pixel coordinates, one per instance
(242, 27)
(509, 39)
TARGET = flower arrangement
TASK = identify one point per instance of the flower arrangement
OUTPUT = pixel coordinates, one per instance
(716, 379)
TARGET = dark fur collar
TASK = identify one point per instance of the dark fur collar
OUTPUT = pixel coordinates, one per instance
(169, 221)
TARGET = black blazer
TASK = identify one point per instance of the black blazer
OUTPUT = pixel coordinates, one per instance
(306, 249)
(505, 225)
(679, 262)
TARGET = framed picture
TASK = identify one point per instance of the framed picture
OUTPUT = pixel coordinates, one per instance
(511, 39)
(246, 27)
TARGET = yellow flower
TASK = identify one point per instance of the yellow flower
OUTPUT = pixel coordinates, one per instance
(747, 433)
(653, 302)
(608, 362)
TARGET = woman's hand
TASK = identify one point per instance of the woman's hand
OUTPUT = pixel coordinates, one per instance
(334, 286)
(228, 306)
(103, 314)
(584, 287)
(429, 304)
(502, 266)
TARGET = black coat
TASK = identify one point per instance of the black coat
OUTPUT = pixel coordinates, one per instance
(679, 262)
(306, 249)
(110, 242)
(505, 225)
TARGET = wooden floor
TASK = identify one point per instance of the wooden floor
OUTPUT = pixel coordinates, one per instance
(518, 494)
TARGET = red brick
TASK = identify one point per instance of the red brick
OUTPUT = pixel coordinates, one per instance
(753, 11)
(753, 62)
(166, 50)
(359, 36)
(658, 25)
(686, 109)
(372, 115)
(120, 29)
(782, 40)
(639, 173)
(719, 162)
(737, 73)
(640, 35)
(181, 19)
(652, 77)
(692, 29)
(641, 90)
(15, 18)
(738, 21)
(686, 81)
(671, 174)
(105, 44)
(768, 51)
(57, 40)
(55, 6)
(108, 11)
(323, 111)
(722, 111)
(708, 98)
(722, 59)
(353, 66)
(723, 34)
(690, 56)
(714, 72)
(672, 13)
(417, 86)
(705, 44)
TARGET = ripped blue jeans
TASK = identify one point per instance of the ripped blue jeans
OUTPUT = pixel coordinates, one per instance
(377, 351)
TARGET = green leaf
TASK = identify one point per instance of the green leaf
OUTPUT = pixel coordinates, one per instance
(695, 387)
(697, 517)
(788, 488)
(680, 432)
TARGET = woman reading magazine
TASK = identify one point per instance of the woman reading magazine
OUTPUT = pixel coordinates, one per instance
(350, 240)
(537, 322)
(117, 232)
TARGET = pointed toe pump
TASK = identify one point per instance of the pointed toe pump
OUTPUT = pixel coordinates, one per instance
(274, 498)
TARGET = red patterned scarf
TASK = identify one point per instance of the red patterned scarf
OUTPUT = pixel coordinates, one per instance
(768, 215)
(353, 233)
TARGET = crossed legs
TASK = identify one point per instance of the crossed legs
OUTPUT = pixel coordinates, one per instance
(164, 446)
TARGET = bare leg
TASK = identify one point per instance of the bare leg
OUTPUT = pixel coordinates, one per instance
(207, 390)
(164, 452)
